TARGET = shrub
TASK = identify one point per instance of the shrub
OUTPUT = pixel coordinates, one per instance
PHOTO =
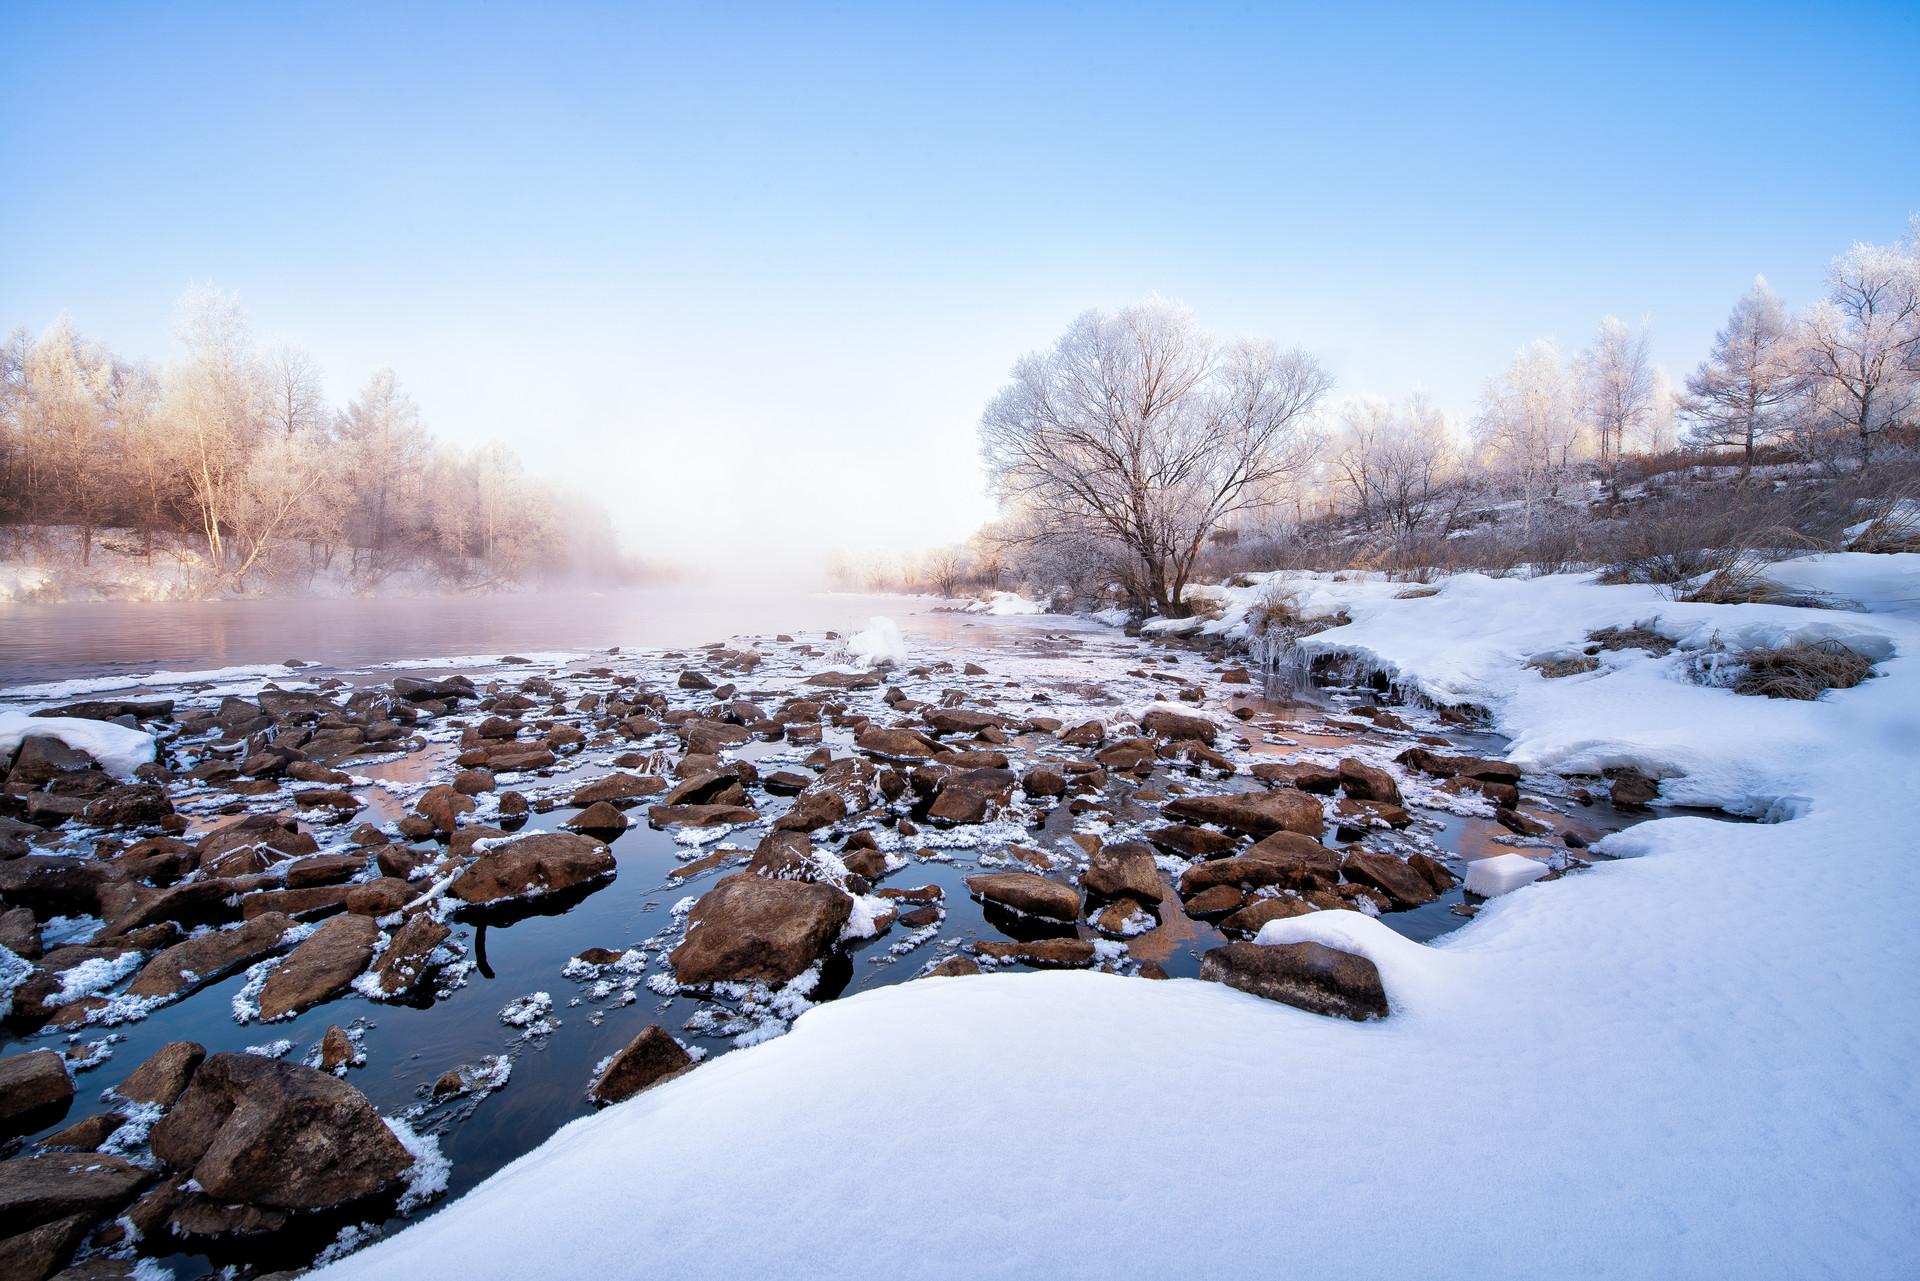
(1800, 671)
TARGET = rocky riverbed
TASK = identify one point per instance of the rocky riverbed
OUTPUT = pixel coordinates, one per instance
(349, 944)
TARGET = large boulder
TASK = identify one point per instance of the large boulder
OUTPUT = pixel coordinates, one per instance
(530, 866)
(188, 966)
(1255, 813)
(321, 967)
(753, 928)
(644, 1062)
(1028, 893)
(1309, 976)
(34, 1089)
(257, 1130)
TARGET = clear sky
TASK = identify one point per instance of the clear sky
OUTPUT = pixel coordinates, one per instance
(749, 273)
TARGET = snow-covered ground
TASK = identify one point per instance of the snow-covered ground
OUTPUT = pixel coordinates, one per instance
(1696, 1061)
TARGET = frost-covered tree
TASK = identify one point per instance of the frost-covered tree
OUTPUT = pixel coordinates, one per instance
(1741, 393)
(384, 447)
(1616, 390)
(296, 401)
(1859, 348)
(1392, 460)
(72, 462)
(1139, 428)
(1528, 430)
(212, 409)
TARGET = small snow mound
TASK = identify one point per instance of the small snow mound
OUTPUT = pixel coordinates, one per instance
(1410, 971)
(119, 750)
(1502, 874)
(880, 645)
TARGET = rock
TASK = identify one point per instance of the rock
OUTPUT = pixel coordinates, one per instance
(473, 782)
(1259, 911)
(1219, 900)
(1285, 860)
(752, 928)
(1458, 766)
(382, 896)
(34, 1089)
(895, 744)
(200, 1218)
(647, 1060)
(1165, 723)
(1189, 841)
(953, 967)
(408, 955)
(86, 1134)
(1633, 791)
(1309, 976)
(600, 816)
(1040, 952)
(1125, 869)
(972, 797)
(616, 787)
(163, 1077)
(1432, 870)
(1044, 780)
(320, 968)
(1028, 893)
(701, 815)
(1089, 734)
(37, 1190)
(336, 1049)
(690, 679)
(1406, 887)
(961, 720)
(1306, 777)
(1368, 782)
(128, 806)
(1255, 813)
(443, 806)
(257, 1130)
(280, 835)
(1355, 815)
(707, 787)
(529, 866)
(189, 966)
(817, 807)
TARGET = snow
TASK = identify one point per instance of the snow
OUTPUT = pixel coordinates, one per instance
(1503, 873)
(119, 750)
(880, 645)
(1692, 1061)
(1006, 604)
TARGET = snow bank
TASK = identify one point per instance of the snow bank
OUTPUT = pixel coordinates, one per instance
(1696, 1061)
(880, 645)
(119, 750)
(1006, 603)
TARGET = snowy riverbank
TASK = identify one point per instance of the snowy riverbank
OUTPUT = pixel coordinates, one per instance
(1695, 1061)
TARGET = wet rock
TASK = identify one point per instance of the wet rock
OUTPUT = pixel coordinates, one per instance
(529, 866)
(408, 954)
(1189, 841)
(1285, 860)
(336, 1049)
(473, 782)
(1028, 893)
(1308, 976)
(599, 817)
(1044, 780)
(128, 806)
(972, 797)
(1125, 869)
(443, 806)
(34, 1089)
(382, 896)
(38, 1190)
(1165, 723)
(257, 1130)
(616, 788)
(707, 787)
(1632, 790)
(189, 966)
(1255, 813)
(1088, 734)
(785, 782)
(1259, 911)
(1432, 870)
(1039, 952)
(1217, 900)
(1458, 766)
(953, 967)
(961, 720)
(513, 758)
(1354, 815)
(163, 1077)
(701, 815)
(320, 968)
(752, 928)
(86, 1134)
(895, 744)
(1368, 782)
(1406, 887)
(644, 1062)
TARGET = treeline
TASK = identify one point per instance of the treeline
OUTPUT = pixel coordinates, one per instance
(1140, 452)
(232, 450)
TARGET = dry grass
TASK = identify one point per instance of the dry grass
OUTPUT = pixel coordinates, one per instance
(1803, 671)
(1629, 638)
(1894, 527)
(1416, 593)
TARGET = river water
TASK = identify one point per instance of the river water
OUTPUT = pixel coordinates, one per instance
(44, 643)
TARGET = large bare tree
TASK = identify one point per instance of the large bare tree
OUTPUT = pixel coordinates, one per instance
(1139, 428)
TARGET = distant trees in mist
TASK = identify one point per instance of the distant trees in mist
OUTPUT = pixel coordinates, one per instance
(234, 450)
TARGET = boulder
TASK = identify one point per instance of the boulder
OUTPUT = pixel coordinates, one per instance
(1028, 893)
(1309, 976)
(1285, 860)
(1402, 884)
(1089, 734)
(644, 1062)
(601, 816)
(1259, 911)
(321, 967)
(1125, 869)
(1255, 813)
(1189, 841)
(701, 815)
(257, 1130)
(34, 1087)
(1061, 951)
(1043, 781)
(1164, 722)
(961, 720)
(1306, 777)
(973, 796)
(1368, 782)
(895, 744)
(408, 955)
(163, 1077)
(128, 805)
(749, 928)
(616, 788)
(37, 1190)
(191, 965)
(529, 866)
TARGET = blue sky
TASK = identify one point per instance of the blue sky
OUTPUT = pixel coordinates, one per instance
(718, 262)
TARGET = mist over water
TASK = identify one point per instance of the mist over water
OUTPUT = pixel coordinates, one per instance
(68, 641)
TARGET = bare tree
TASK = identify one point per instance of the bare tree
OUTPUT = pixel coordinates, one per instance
(295, 398)
(942, 568)
(1739, 394)
(1616, 388)
(212, 409)
(1528, 426)
(1139, 428)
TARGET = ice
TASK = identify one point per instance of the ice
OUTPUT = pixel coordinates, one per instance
(1503, 873)
(119, 750)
